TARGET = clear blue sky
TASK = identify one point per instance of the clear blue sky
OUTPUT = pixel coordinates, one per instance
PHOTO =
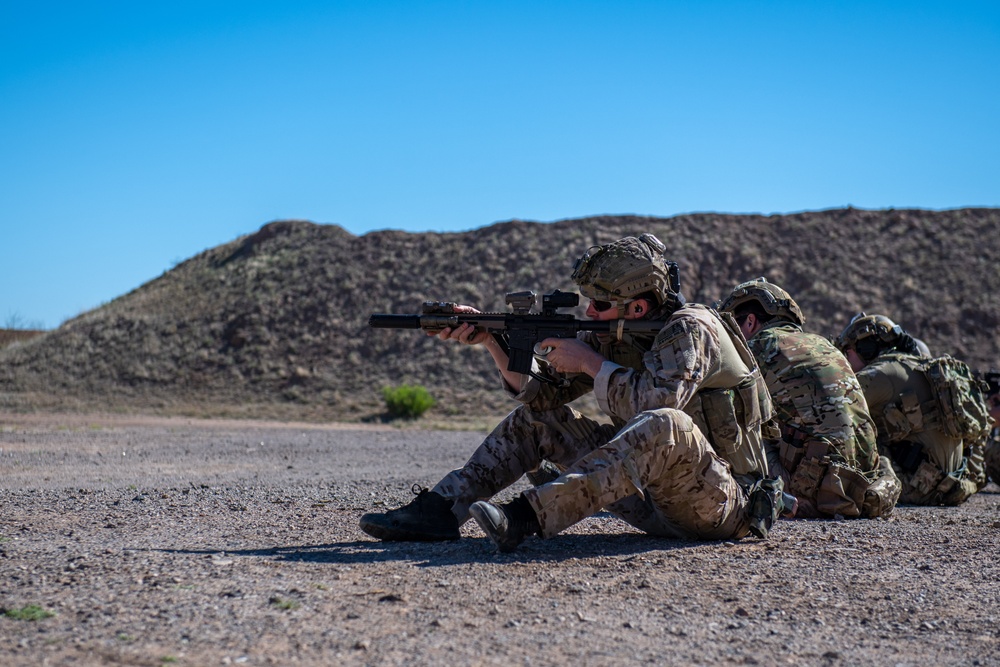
(137, 134)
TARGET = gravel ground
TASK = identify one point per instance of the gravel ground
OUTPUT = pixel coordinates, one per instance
(175, 541)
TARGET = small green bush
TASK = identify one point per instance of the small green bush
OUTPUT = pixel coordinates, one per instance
(407, 401)
(31, 612)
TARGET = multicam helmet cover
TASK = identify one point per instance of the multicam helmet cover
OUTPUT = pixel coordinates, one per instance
(626, 269)
(864, 326)
(772, 298)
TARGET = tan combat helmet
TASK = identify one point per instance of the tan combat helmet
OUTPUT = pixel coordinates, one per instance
(864, 326)
(626, 269)
(774, 300)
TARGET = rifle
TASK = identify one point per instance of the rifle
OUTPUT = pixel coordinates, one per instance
(519, 331)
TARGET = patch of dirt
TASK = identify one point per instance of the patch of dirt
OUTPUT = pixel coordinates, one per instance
(194, 542)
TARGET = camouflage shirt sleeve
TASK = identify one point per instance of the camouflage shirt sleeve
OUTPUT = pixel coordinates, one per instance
(684, 353)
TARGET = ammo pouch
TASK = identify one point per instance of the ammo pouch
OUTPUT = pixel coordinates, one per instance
(806, 462)
(731, 418)
(792, 450)
(961, 489)
(833, 489)
(882, 494)
(842, 491)
(806, 479)
(718, 409)
(902, 418)
(926, 478)
(940, 487)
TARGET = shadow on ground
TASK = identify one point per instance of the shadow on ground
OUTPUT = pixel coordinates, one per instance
(463, 551)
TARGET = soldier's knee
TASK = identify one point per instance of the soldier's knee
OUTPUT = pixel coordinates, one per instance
(664, 420)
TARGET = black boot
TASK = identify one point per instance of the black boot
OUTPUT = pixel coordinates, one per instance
(508, 524)
(426, 518)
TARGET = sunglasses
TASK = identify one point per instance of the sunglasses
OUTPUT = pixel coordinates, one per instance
(601, 306)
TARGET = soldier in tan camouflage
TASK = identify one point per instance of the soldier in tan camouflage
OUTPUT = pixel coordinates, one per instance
(822, 440)
(935, 468)
(682, 456)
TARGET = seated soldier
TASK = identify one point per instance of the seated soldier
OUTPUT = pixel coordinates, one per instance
(682, 456)
(992, 381)
(935, 467)
(823, 440)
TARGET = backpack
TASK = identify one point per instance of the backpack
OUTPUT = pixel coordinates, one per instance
(961, 399)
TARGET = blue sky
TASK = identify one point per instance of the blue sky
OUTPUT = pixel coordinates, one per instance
(137, 134)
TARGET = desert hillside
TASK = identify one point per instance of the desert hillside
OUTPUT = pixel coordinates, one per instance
(275, 323)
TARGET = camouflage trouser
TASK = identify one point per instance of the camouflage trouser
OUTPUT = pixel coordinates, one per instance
(686, 490)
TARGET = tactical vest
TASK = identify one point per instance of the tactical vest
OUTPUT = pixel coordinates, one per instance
(992, 456)
(733, 404)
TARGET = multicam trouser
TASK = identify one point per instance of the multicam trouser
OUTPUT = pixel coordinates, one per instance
(657, 473)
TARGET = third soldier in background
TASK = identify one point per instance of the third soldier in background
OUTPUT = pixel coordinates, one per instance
(931, 415)
(992, 381)
(823, 440)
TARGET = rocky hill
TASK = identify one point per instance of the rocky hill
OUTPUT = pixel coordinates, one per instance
(11, 336)
(274, 324)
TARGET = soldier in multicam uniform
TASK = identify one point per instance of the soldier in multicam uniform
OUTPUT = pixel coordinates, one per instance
(682, 456)
(822, 440)
(934, 467)
(992, 380)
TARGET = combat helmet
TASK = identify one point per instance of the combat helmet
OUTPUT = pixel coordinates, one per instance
(864, 326)
(628, 268)
(774, 300)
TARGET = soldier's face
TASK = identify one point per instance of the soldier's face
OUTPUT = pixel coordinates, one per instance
(602, 310)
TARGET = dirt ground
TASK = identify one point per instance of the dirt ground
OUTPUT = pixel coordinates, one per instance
(174, 541)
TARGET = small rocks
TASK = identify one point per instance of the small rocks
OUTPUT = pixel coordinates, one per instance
(296, 581)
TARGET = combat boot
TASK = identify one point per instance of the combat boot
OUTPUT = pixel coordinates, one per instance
(427, 518)
(508, 524)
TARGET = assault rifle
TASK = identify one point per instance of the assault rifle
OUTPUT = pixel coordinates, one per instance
(517, 332)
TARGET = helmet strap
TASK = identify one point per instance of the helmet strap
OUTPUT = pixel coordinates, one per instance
(621, 307)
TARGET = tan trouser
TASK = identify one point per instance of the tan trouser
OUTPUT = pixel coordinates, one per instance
(687, 491)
